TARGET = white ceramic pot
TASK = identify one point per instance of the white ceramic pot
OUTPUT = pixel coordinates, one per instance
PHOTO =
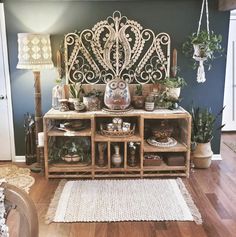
(202, 155)
(173, 92)
(201, 52)
(149, 106)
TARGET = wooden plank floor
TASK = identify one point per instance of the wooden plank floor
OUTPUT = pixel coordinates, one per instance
(213, 190)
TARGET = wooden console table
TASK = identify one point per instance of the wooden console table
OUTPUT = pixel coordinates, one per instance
(179, 119)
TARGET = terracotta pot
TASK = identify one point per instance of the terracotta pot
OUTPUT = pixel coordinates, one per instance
(92, 103)
(138, 101)
(202, 155)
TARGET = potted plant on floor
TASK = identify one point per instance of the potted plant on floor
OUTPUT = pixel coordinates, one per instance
(138, 98)
(203, 121)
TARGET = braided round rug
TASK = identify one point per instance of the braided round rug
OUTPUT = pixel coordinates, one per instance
(19, 177)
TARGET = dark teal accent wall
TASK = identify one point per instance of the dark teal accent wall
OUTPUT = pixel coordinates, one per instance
(176, 17)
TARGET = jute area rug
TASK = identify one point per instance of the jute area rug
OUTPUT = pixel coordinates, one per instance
(231, 145)
(122, 200)
(20, 177)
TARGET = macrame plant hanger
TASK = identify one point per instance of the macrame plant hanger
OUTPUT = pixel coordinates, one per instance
(201, 71)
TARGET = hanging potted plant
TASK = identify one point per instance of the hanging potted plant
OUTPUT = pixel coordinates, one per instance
(203, 121)
(203, 46)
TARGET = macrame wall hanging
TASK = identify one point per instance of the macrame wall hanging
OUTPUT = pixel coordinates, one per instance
(200, 50)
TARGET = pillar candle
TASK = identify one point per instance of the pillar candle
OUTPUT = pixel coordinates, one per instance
(40, 139)
(174, 63)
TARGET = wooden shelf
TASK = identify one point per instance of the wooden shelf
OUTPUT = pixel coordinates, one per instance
(177, 148)
(66, 167)
(182, 119)
(163, 168)
(59, 133)
(102, 138)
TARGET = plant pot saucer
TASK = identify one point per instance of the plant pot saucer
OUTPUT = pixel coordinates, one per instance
(170, 142)
(117, 110)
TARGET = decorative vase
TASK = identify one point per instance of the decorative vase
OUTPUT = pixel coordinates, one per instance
(132, 158)
(138, 101)
(202, 155)
(101, 150)
(58, 93)
(117, 95)
(116, 158)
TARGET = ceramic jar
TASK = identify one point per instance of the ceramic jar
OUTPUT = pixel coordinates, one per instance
(116, 157)
(64, 105)
(117, 95)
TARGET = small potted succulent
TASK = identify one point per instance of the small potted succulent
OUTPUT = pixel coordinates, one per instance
(138, 98)
(76, 90)
(150, 103)
(93, 100)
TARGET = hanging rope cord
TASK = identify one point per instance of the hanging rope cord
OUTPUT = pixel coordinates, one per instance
(204, 4)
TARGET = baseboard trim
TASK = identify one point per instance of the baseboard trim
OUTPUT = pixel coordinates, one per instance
(19, 159)
(216, 157)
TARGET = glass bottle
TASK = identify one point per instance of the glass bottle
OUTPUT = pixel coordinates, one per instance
(58, 93)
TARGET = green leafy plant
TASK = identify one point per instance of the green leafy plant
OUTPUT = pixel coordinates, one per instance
(94, 93)
(70, 146)
(76, 90)
(203, 121)
(138, 90)
(210, 46)
(173, 82)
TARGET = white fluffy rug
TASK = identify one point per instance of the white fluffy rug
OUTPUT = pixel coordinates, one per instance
(122, 200)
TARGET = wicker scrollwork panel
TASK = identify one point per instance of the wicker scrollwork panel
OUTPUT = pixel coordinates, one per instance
(117, 48)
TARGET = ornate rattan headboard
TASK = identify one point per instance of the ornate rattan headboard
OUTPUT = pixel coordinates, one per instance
(117, 48)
